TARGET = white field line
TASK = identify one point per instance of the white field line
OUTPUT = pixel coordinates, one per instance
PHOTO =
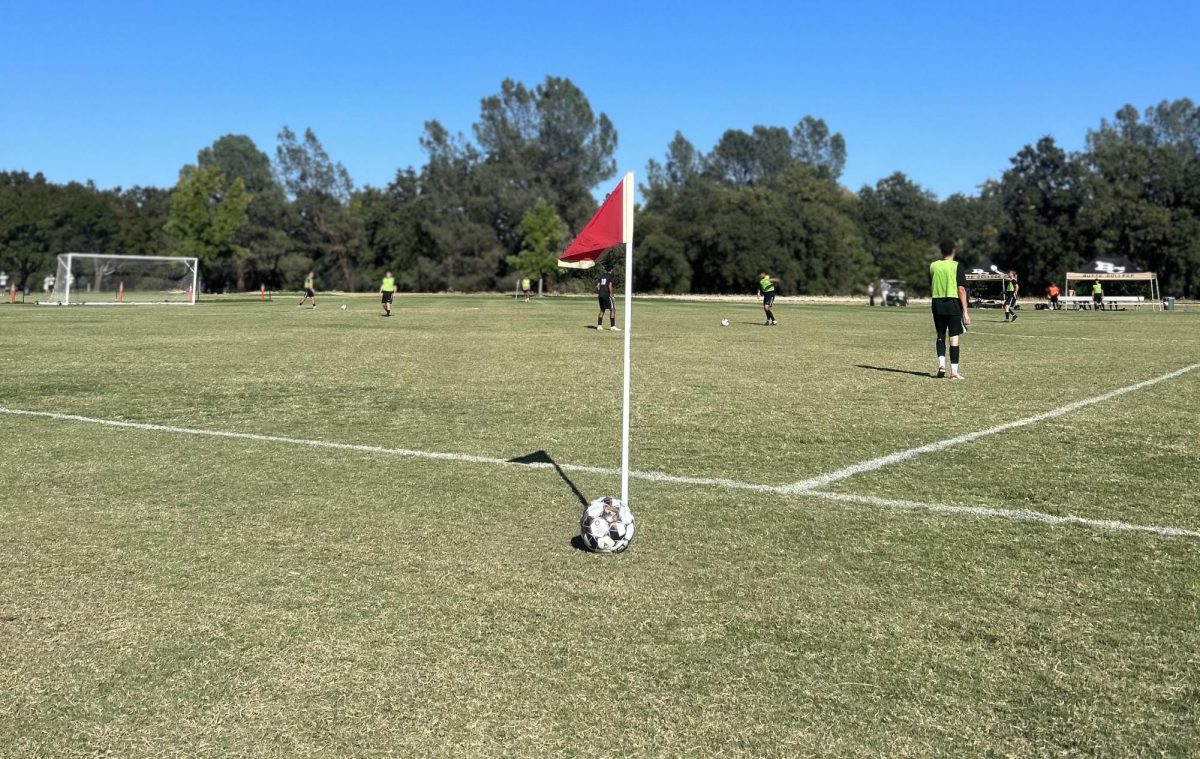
(1012, 515)
(824, 480)
(1022, 515)
(976, 333)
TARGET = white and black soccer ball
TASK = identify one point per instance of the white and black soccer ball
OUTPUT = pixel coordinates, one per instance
(606, 525)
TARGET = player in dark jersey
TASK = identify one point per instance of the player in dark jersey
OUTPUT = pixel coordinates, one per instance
(1011, 289)
(604, 291)
(948, 286)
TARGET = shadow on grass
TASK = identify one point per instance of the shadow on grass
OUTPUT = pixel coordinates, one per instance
(926, 375)
(541, 457)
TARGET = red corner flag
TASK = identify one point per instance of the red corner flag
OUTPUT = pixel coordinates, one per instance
(612, 225)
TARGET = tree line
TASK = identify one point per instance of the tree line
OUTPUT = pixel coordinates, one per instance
(489, 208)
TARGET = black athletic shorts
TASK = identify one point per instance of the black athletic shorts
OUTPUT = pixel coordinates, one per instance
(606, 303)
(386, 297)
(1010, 300)
(768, 298)
(308, 293)
(1097, 298)
(951, 323)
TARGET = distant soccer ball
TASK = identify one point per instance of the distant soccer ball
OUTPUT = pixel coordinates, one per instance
(343, 306)
(724, 322)
(606, 525)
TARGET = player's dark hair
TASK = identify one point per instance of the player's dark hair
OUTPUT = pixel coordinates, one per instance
(946, 246)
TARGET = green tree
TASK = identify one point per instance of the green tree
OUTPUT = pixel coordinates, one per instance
(322, 227)
(1144, 199)
(207, 211)
(901, 224)
(1042, 195)
(544, 142)
(816, 147)
(26, 220)
(542, 234)
(142, 213)
(264, 234)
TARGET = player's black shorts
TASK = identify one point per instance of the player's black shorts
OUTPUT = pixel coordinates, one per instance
(1098, 299)
(386, 297)
(1053, 300)
(308, 293)
(768, 298)
(951, 323)
(606, 303)
(1010, 300)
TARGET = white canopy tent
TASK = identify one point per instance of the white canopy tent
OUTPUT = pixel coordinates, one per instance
(1150, 277)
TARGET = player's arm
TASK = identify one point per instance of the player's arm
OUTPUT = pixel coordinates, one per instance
(962, 295)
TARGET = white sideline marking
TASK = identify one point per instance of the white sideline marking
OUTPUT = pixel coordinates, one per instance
(1013, 515)
(1022, 515)
(823, 480)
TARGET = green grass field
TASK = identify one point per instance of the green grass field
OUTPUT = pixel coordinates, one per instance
(171, 593)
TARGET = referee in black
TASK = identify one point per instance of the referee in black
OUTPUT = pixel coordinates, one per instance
(605, 293)
(948, 285)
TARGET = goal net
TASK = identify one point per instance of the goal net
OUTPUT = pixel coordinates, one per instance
(102, 279)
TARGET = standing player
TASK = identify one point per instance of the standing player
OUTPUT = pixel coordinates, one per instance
(309, 282)
(1052, 295)
(1097, 296)
(766, 288)
(526, 286)
(387, 291)
(948, 285)
(604, 291)
(1011, 288)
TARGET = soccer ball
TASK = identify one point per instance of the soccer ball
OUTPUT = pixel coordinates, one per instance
(343, 306)
(606, 525)
(724, 322)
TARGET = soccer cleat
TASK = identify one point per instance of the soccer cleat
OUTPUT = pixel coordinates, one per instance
(941, 372)
(1014, 318)
(957, 376)
(615, 329)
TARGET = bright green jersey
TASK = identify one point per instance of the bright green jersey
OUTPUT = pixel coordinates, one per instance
(943, 278)
(309, 282)
(1011, 286)
(389, 285)
(766, 285)
(1097, 289)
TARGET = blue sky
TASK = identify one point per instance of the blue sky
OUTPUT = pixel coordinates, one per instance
(125, 93)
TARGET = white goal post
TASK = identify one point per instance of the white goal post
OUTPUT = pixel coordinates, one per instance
(96, 279)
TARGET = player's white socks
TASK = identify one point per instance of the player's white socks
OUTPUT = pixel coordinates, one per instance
(954, 368)
(941, 362)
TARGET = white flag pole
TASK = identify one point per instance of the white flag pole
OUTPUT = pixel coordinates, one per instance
(627, 236)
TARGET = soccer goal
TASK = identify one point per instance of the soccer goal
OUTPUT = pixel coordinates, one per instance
(101, 279)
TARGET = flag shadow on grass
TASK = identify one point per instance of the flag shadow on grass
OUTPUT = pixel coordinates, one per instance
(543, 458)
(926, 375)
